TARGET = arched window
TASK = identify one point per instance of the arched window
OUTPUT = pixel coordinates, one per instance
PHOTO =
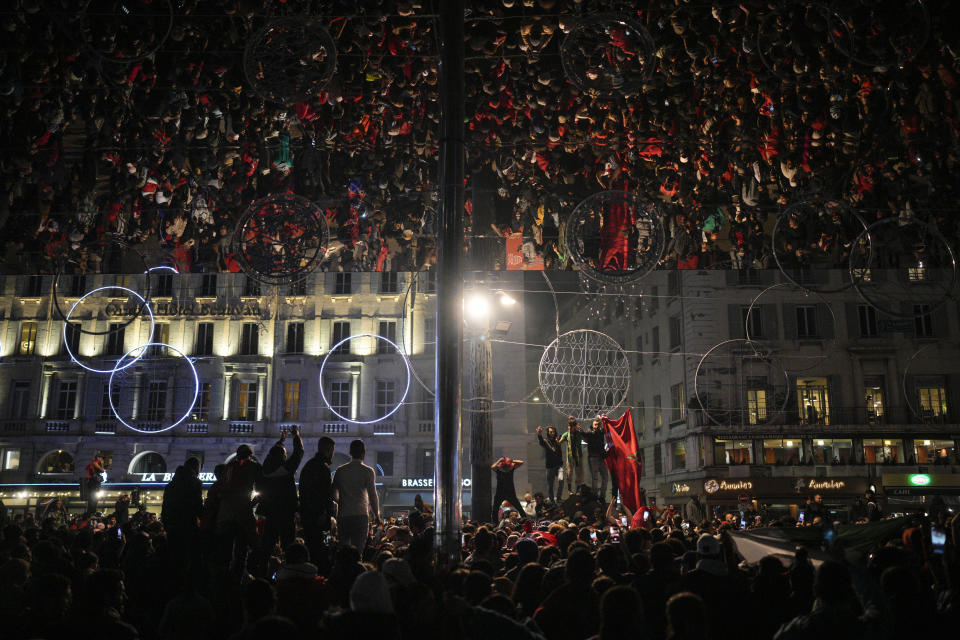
(58, 461)
(148, 462)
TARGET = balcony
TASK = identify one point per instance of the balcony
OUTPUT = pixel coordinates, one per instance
(105, 427)
(58, 426)
(197, 428)
(336, 428)
(15, 426)
(853, 420)
(384, 429)
(241, 428)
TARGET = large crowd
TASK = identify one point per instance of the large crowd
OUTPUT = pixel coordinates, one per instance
(278, 550)
(750, 108)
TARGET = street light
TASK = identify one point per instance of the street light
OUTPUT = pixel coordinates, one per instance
(478, 308)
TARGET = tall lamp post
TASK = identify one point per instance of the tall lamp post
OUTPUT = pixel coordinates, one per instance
(477, 308)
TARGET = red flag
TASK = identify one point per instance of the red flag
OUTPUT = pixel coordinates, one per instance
(623, 459)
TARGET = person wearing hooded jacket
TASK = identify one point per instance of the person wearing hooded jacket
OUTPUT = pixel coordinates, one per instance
(278, 493)
(235, 512)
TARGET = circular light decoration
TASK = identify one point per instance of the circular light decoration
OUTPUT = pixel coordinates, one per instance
(289, 60)
(808, 262)
(608, 54)
(333, 351)
(124, 31)
(792, 359)
(739, 382)
(66, 324)
(118, 255)
(818, 31)
(615, 237)
(583, 373)
(144, 356)
(163, 268)
(882, 33)
(281, 238)
(911, 270)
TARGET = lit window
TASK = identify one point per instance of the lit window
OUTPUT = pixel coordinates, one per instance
(247, 401)
(678, 455)
(873, 400)
(28, 338)
(732, 452)
(933, 401)
(291, 400)
(832, 451)
(935, 451)
(756, 406)
(813, 401)
(11, 459)
(917, 274)
(882, 451)
(678, 399)
(781, 451)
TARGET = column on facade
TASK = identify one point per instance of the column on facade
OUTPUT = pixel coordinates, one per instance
(137, 392)
(354, 394)
(909, 450)
(708, 454)
(261, 395)
(81, 393)
(45, 393)
(227, 383)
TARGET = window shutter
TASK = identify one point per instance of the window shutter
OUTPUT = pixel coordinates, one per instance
(790, 322)
(825, 321)
(852, 311)
(735, 327)
(771, 323)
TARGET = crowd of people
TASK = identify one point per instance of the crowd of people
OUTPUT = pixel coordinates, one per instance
(280, 549)
(749, 108)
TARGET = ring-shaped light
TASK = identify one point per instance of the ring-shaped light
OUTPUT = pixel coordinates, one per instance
(333, 350)
(144, 347)
(163, 267)
(66, 323)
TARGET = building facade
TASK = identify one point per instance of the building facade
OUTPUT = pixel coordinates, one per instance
(253, 356)
(827, 396)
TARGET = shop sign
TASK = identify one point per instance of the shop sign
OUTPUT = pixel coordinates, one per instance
(167, 477)
(921, 483)
(680, 488)
(820, 484)
(712, 486)
(188, 309)
(427, 483)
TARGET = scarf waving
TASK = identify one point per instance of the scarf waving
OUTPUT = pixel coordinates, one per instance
(623, 459)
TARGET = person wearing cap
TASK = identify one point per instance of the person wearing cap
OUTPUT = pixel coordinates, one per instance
(710, 581)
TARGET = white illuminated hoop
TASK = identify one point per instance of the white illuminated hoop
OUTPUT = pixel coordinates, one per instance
(584, 373)
(143, 348)
(66, 323)
(333, 350)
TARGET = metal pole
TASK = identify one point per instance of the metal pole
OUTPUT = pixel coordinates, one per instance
(481, 428)
(447, 505)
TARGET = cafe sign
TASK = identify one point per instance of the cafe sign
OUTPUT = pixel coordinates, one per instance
(427, 483)
(712, 485)
(167, 477)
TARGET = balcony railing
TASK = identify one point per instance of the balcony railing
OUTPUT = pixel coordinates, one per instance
(57, 426)
(852, 418)
(197, 427)
(15, 426)
(241, 428)
(105, 427)
(334, 428)
(384, 429)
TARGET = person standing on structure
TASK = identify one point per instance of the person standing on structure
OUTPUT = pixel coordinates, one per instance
(573, 437)
(552, 459)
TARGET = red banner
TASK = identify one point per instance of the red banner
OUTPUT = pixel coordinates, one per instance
(515, 259)
(623, 459)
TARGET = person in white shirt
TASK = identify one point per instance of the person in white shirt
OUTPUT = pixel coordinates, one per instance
(354, 487)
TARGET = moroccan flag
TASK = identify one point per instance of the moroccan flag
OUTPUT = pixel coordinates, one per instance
(623, 460)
